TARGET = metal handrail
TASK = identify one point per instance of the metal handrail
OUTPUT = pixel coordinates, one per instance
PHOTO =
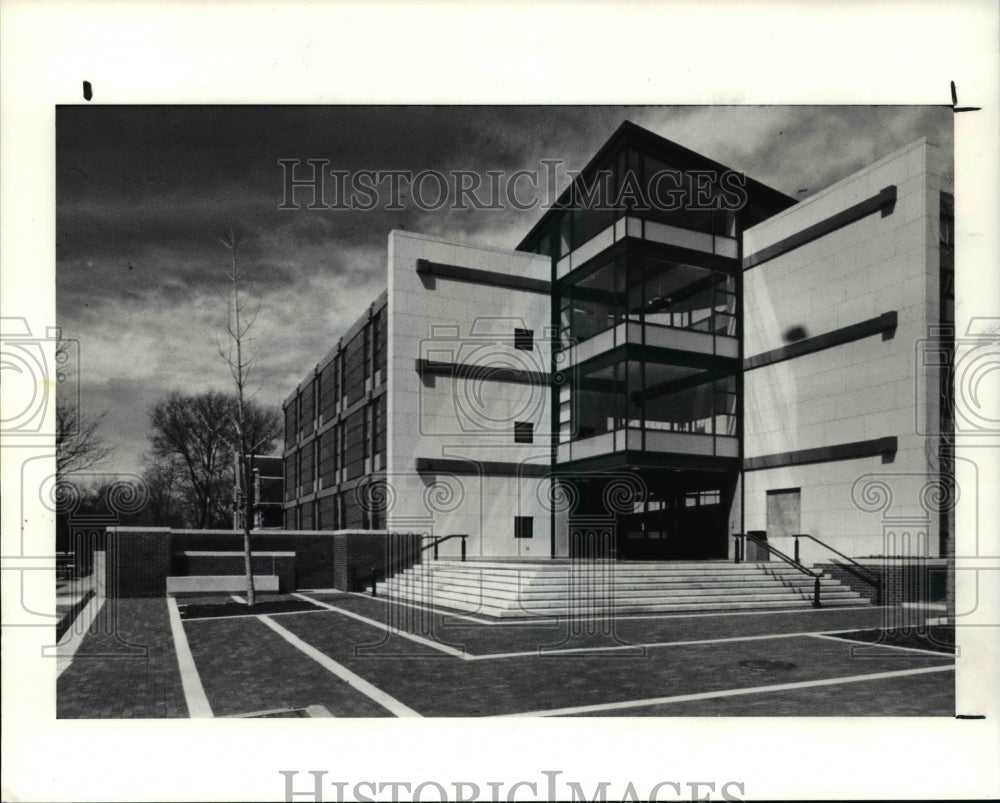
(372, 570)
(863, 573)
(740, 547)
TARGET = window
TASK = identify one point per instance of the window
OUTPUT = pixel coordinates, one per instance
(523, 527)
(524, 432)
(524, 339)
(317, 412)
(784, 514)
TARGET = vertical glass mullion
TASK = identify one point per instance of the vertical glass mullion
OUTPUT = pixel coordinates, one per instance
(642, 399)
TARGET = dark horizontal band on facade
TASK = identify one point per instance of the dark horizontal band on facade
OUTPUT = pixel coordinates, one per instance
(883, 201)
(638, 461)
(658, 355)
(636, 247)
(494, 373)
(886, 322)
(823, 454)
(427, 268)
(432, 465)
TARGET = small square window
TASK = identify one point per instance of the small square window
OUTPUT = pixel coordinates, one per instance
(524, 432)
(523, 527)
(524, 339)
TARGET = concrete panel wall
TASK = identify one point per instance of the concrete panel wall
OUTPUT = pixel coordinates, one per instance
(870, 388)
(466, 418)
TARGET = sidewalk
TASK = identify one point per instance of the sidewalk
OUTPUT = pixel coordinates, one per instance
(126, 666)
(352, 656)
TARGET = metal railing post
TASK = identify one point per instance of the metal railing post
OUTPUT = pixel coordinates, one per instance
(435, 550)
(797, 548)
(872, 578)
(463, 548)
(374, 583)
(816, 593)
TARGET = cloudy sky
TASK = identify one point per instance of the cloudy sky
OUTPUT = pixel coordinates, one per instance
(144, 193)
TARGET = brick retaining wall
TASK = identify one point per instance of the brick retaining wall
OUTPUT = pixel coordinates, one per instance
(902, 581)
(139, 559)
(358, 550)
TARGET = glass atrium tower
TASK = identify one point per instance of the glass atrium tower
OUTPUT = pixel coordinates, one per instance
(645, 248)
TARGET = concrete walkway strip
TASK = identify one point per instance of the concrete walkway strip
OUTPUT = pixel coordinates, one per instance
(711, 695)
(569, 650)
(194, 692)
(854, 643)
(663, 644)
(394, 631)
(356, 681)
(75, 634)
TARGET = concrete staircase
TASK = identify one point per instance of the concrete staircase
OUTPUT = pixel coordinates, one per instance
(554, 588)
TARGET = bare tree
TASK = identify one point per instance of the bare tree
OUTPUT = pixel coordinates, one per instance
(78, 446)
(163, 480)
(194, 445)
(240, 355)
(196, 432)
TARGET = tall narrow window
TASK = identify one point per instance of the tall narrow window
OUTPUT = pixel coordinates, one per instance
(524, 339)
(523, 527)
(317, 399)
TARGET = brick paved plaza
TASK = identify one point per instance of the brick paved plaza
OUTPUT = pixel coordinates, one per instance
(349, 655)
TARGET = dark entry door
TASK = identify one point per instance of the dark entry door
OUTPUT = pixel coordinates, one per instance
(680, 533)
(592, 542)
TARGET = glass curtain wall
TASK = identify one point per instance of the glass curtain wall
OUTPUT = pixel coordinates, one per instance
(651, 292)
(636, 395)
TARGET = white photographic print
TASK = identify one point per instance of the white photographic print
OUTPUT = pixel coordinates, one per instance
(496, 414)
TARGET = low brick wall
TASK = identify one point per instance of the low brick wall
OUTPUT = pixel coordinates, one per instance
(359, 550)
(139, 559)
(314, 550)
(901, 581)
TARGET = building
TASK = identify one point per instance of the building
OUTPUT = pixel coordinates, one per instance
(269, 492)
(335, 432)
(674, 353)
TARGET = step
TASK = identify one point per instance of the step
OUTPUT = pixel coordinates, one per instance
(561, 573)
(517, 584)
(618, 567)
(420, 584)
(484, 608)
(543, 588)
(668, 594)
(834, 592)
(762, 595)
(551, 578)
(487, 581)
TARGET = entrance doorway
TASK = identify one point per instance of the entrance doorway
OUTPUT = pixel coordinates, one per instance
(651, 514)
(683, 527)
